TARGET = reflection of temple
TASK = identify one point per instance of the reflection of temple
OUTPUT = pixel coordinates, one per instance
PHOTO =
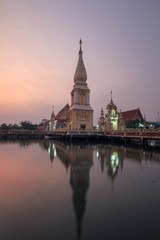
(81, 162)
(50, 147)
(79, 159)
(63, 154)
(52, 150)
(111, 157)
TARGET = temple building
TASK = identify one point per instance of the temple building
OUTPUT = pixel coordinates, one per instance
(131, 115)
(58, 121)
(112, 116)
(115, 120)
(62, 117)
(80, 112)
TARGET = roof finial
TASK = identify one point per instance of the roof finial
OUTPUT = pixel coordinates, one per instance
(80, 43)
(111, 95)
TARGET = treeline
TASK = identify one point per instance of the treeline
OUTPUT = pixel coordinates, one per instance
(24, 125)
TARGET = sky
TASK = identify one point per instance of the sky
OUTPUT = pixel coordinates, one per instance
(39, 44)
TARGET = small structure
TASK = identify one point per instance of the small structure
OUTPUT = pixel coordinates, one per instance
(52, 121)
(102, 122)
(112, 116)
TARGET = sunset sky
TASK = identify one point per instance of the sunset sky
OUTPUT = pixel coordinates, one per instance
(39, 44)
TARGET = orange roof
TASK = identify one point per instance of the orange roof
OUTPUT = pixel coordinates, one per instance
(40, 128)
(131, 115)
(62, 115)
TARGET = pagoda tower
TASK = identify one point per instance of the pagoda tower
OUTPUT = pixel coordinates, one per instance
(102, 121)
(81, 113)
(112, 115)
(52, 121)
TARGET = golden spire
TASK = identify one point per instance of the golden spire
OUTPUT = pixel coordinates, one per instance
(80, 43)
(80, 73)
(52, 115)
(111, 97)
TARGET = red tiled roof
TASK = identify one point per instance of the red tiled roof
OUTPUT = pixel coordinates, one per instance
(43, 125)
(131, 115)
(40, 128)
(62, 115)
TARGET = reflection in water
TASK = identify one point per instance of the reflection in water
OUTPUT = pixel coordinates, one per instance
(52, 151)
(81, 162)
(110, 157)
(114, 163)
(113, 157)
(78, 160)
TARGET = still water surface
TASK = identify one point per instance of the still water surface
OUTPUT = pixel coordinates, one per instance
(52, 191)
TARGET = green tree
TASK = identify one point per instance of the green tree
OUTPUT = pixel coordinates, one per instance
(135, 123)
(4, 126)
(27, 125)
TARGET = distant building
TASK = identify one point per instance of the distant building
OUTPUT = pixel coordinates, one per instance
(56, 122)
(80, 112)
(115, 120)
(44, 125)
(131, 115)
(112, 116)
(62, 117)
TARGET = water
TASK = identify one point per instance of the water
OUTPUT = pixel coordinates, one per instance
(52, 191)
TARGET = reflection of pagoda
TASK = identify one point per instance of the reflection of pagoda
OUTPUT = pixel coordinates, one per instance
(113, 164)
(63, 153)
(52, 150)
(101, 154)
(111, 157)
(81, 162)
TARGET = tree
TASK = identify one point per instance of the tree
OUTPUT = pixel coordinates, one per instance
(4, 126)
(28, 125)
(136, 123)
